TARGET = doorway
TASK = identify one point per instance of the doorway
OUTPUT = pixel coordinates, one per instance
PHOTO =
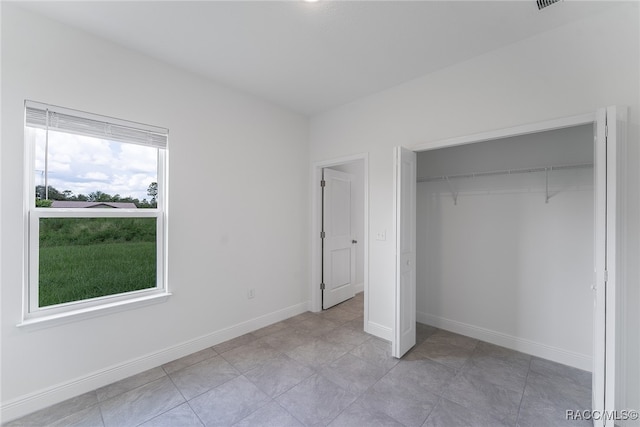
(355, 167)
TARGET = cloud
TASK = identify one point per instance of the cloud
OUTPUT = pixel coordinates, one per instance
(137, 158)
(84, 164)
(97, 176)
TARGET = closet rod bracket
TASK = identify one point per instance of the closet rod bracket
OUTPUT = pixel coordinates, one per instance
(454, 194)
(546, 185)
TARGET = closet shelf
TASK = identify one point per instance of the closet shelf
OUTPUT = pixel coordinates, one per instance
(505, 172)
(546, 170)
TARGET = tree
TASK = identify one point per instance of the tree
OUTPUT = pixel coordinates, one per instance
(40, 194)
(96, 196)
(152, 192)
(99, 196)
(53, 193)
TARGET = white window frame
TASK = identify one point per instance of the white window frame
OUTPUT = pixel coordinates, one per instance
(32, 312)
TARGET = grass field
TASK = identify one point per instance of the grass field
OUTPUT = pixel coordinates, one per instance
(82, 258)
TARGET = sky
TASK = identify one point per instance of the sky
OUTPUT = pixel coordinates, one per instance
(85, 164)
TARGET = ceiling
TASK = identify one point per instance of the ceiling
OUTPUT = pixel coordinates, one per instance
(311, 57)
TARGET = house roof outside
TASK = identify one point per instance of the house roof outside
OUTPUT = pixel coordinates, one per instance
(80, 204)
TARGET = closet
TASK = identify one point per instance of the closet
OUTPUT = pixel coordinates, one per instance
(505, 243)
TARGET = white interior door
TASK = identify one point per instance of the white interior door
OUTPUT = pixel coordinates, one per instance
(404, 336)
(610, 133)
(338, 251)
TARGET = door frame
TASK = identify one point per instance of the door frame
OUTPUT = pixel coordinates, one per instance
(315, 301)
(611, 183)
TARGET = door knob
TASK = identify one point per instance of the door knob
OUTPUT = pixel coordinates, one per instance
(354, 241)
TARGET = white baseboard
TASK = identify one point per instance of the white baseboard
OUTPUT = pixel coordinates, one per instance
(566, 357)
(378, 330)
(41, 399)
(358, 287)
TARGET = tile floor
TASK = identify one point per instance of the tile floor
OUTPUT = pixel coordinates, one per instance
(321, 369)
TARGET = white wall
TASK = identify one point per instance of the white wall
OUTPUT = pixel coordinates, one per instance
(571, 70)
(226, 231)
(501, 264)
(357, 213)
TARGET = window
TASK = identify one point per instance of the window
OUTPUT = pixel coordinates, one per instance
(96, 210)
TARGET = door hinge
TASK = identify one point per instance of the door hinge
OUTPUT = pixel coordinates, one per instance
(606, 131)
(323, 183)
(322, 286)
(606, 276)
(322, 234)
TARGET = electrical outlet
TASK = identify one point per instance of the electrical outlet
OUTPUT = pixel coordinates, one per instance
(381, 235)
(251, 293)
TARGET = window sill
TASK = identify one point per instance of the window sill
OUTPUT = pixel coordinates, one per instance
(90, 312)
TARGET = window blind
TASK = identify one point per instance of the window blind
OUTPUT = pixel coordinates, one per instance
(81, 123)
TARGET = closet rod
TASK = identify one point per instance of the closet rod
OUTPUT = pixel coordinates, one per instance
(506, 172)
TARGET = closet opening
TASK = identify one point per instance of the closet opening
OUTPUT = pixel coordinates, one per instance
(505, 242)
(514, 312)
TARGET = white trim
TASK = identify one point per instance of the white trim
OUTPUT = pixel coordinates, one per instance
(599, 263)
(622, 238)
(358, 287)
(380, 331)
(395, 336)
(616, 228)
(107, 306)
(315, 274)
(556, 354)
(95, 213)
(40, 399)
(548, 125)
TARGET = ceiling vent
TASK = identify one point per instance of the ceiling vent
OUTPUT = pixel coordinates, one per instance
(544, 3)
